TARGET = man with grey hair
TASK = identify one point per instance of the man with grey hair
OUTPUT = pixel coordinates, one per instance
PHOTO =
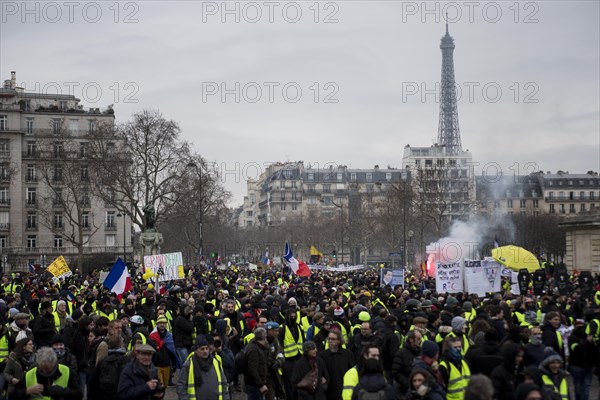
(49, 379)
(256, 376)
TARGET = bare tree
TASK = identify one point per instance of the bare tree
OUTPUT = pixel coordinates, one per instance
(65, 198)
(140, 162)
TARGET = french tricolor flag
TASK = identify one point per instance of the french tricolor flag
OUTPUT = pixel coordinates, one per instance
(118, 280)
(298, 266)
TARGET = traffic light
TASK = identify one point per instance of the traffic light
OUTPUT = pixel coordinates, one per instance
(214, 254)
(334, 254)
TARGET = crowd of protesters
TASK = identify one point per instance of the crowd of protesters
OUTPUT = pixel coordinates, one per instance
(332, 335)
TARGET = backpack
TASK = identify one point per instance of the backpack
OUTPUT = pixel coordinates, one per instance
(109, 371)
(240, 362)
(364, 395)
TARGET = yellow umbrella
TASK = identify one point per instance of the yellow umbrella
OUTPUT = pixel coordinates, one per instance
(516, 258)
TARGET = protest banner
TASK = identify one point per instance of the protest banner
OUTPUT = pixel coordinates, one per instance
(59, 268)
(448, 278)
(392, 277)
(482, 276)
(165, 266)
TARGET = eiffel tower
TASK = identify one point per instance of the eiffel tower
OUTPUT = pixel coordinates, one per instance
(448, 130)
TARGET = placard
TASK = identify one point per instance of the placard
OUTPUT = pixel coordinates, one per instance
(448, 278)
(165, 266)
(482, 277)
(59, 268)
(392, 277)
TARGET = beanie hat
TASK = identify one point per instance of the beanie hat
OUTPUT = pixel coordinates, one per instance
(77, 314)
(162, 319)
(450, 301)
(429, 348)
(12, 312)
(458, 324)
(468, 306)
(308, 345)
(338, 312)
(57, 339)
(45, 304)
(549, 356)
(201, 341)
(21, 315)
(364, 316)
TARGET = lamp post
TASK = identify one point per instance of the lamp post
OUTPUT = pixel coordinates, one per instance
(405, 195)
(193, 165)
(124, 237)
(341, 207)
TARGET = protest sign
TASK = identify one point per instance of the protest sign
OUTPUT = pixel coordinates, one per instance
(59, 268)
(448, 278)
(392, 277)
(165, 266)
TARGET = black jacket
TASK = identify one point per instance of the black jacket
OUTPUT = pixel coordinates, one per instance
(337, 363)
(257, 364)
(132, 384)
(43, 329)
(301, 368)
(182, 332)
(507, 376)
(403, 365)
(373, 383)
(483, 359)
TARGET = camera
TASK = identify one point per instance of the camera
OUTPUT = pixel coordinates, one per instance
(217, 344)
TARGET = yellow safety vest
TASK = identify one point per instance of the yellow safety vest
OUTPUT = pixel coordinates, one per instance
(4, 348)
(130, 345)
(350, 382)
(62, 381)
(588, 329)
(192, 386)
(111, 316)
(563, 390)
(291, 348)
(457, 380)
(305, 323)
(248, 338)
(56, 321)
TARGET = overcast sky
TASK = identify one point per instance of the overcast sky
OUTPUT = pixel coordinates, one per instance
(346, 82)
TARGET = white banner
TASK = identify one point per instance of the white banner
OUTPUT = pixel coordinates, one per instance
(514, 283)
(337, 269)
(482, 277)
(166, 267)
(448, 278)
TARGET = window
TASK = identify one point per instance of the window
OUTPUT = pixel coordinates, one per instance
(369, 188)
(496, 204)
(509, 203)
(311, 177)
(62, 105)
(4, 173)
(85, 239)
(340, 177)
(326, 188)
(582, 207)
(551, 195)
(536, 203)
(110, 149)
(31, 220)
(534, 194)
(4, 196)
(294, 196)
(388, 176)
(282, 206)
(4, 220)
(58, 242)
(31, 196)
(84, 173)
(3, 242)
(522, 203)
(282, 196)
(91, 125)
(3, 123)
(552, 210)
(572, 208)
(83, 149)
(85, 219)
(561, 195)
(521, 193)
(287, 173)
(550, 183)
(294, 207)
(57, 221)
(29, 126)
(353, 177)
(311, 189)
(249, 213)
(58, 173)
(74, 127)
(592, 206)
(58, 150)
(591, 195)
(31, 149)
(110, 240)
(56, 125)
(110, 197)
(581, 195)
(110, 219)
(4, 148)
(562, 208)
(31, 177)
(369, 176)
(31, 241)
(57, 197)
(85, 198)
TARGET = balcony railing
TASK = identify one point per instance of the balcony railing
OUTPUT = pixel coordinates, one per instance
(110, 227)
(4, 202)
(4, 226)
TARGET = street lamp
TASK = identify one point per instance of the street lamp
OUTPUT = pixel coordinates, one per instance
(124, 237)
(193, 165)
(341, 207)
(405, 196)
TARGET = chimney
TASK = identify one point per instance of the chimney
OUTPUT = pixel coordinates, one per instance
(13, 79)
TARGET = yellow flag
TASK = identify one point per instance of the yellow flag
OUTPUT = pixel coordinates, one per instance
(59, 267)
(315, 252)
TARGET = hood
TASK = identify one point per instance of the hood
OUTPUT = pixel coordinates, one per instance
(373, 382)
(509, 352)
